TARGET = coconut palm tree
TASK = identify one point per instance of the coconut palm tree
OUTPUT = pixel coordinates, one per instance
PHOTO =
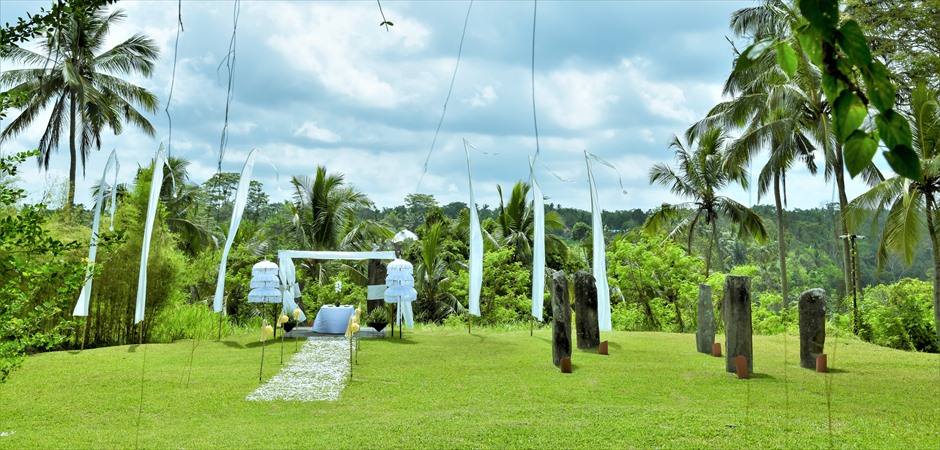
(912, 205)
(433, 276)
(324, 214)
(80, 81)
(701, 175)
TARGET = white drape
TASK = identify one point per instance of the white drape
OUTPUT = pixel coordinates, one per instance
(476, 246)
(241, 198)
(155, 183)
(81, 307)
(289, 289)
(599, 257)
(538, 250)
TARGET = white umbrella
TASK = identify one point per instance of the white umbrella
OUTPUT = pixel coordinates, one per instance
(404, 235)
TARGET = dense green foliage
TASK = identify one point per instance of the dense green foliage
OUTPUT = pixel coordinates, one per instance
(39, 276)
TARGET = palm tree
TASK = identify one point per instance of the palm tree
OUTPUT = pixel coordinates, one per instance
(81, 83)
(912, 205)
(325, 209)
(702, 173)
(516, 221)
(433, 276)
(787, 115)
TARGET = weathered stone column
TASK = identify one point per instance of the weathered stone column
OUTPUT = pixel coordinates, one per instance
(736, 303)
(561, 318)
(585, 308)
(377, 273)
(812, 326)
(705, 336)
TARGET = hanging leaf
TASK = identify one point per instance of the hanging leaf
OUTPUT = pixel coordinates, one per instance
(904, 162)
(860, 148)
(810, 41)
(786, 58)
(832, 87)
(878, 86)
(894, 129)
(848, 113)
(852, 40)
(822, 14)
(751, 54)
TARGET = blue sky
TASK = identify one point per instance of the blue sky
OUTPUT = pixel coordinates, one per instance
(322, 83)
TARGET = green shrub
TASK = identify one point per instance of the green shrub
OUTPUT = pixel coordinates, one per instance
(899, 316)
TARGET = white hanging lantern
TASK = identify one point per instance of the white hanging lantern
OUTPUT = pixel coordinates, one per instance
(264, 295)
(259, 281)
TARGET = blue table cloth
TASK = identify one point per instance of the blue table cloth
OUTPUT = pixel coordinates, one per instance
(333, 319)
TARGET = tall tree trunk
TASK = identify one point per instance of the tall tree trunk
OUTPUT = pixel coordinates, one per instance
(74, 161)
(844, 229)
(781, 244)
(711, 244)
(935, 247)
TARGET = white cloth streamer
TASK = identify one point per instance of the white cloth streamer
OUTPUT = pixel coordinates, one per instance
(241, 199)
(600, 256)
(84, 297)
(156, 182)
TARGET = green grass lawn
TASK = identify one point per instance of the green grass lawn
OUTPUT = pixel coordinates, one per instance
(444, 388)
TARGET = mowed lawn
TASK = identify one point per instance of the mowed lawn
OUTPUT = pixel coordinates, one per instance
(445, 388)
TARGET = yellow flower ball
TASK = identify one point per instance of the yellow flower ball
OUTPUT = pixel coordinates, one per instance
(283, 319)
(297, 314)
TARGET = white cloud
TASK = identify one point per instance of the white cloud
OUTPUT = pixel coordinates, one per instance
(311, 131)
(575, 99)
(666, 100)
(484, 96)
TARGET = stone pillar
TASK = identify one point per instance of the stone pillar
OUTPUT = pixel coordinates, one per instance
(812, 326)
(736, 303)
(705, 336)
(561, 318)
(585, 308)
(377, 273)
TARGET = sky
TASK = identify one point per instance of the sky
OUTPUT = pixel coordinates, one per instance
(321, 83)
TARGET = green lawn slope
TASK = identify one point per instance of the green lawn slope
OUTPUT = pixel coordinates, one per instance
(445, 388)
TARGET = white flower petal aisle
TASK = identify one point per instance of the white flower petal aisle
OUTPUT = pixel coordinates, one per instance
(317, 373)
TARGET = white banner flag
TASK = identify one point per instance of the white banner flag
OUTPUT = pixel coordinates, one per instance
(241, 198)
(84, 297)
(155, 183)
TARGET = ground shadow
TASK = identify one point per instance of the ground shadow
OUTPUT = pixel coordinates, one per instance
(132, 348)
(232, 344)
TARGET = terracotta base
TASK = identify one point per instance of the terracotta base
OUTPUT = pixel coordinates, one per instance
(566, 365)
(740, 365)
(602, 349)
(822, 363)
(716, 350)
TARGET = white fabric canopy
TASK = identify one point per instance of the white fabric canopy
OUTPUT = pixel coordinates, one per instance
(599, 256)
(476, 245)
(241, 199)
(156, 182)
(308, 254)
(84, 297)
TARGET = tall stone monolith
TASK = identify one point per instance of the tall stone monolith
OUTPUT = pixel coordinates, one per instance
(736, 306)
(812, 326)
(585, 308)
(705, 336)
(561, 318)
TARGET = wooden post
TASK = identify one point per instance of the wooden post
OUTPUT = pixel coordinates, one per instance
(812, 326)
(705, 336)
(378, 271)
(561, 318)
(736, 303)
(585, 306)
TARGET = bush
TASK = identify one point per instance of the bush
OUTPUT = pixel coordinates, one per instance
(899, 316)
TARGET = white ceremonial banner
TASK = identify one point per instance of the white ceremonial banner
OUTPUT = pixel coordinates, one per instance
(599, 256)
(84, 297)
(538, 250)
(155, 183)
(476, 245)
(241, 198)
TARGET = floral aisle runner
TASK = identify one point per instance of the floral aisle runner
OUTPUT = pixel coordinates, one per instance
(318, 372)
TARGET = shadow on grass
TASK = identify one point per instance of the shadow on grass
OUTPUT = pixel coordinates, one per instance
(232, 344)
(132, 348)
